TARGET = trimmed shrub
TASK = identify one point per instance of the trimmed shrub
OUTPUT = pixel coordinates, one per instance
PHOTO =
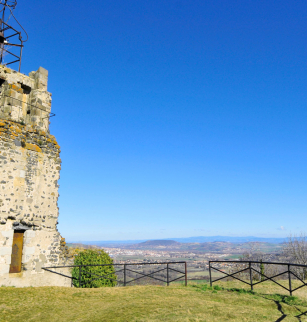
(90, 274)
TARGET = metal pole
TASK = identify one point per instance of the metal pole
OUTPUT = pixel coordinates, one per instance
(210, 274)
(124, 274)
(20, 55)
(167, 274)
(186, 273)
(2, 28)
(289, 274)
(250, 275)
(80, 267)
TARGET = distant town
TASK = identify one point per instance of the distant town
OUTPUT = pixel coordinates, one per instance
(197, 255)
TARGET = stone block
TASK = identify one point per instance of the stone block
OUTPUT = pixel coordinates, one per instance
(4, 269)
(29, 234)
(27, 253)
(5, 251)
(8, 233)
(43, 71)
(7, 259)
(9, 243)
(17, 142)
(28, 250)
(33, 147)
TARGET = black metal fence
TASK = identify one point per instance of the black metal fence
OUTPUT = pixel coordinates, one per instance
(254, 272)
(132, 273)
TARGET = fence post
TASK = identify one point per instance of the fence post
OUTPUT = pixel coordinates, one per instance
(251, 275)
(186, 273)
(261, 271)
(289, 274)
(124, 274)
(80, 276)
(210, 274)
(167, 274)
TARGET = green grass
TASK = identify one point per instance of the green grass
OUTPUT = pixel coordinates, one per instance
(226, 301)
(233, 256)
(202, 273)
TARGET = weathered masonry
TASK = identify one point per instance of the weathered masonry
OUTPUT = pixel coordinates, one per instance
(29, 171)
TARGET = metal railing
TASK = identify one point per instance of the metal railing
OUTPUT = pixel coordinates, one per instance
(28, 104)
(249, 268)
(17, 112)
(126, 275)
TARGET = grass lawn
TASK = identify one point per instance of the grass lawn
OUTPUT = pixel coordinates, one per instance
(198, 302)
(196, 274)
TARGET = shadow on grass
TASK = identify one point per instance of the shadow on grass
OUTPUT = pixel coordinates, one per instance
(278, 299)
(288, 300)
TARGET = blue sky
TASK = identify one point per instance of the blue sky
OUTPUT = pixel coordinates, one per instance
(175, 118)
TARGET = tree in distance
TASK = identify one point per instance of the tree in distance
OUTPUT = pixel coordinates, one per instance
(94, 276)
(295, 251)
(254, 254)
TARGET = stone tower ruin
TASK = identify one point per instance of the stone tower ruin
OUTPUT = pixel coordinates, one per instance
(29, 172)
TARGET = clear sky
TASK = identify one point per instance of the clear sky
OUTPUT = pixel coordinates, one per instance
(175, 118)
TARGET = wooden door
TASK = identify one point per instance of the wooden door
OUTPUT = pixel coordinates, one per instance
(16, 252)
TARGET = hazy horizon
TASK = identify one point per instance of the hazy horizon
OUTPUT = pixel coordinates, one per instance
(254, 238)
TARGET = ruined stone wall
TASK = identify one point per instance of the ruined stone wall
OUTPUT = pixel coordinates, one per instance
(25, 99)
(29, 172)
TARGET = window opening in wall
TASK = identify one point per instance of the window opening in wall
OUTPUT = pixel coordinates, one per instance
(2, 81)
(17, 246)
(26, 89)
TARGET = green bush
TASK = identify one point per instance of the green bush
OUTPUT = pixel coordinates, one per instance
(90, 274)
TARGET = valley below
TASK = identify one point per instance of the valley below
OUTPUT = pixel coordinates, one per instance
(197, 255)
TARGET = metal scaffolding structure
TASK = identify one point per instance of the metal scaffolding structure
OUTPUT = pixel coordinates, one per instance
(11, 42)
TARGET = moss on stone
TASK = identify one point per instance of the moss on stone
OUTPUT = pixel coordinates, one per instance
(33, 147)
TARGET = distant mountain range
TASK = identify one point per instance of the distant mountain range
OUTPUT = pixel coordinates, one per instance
(199, 239)
(158, 243)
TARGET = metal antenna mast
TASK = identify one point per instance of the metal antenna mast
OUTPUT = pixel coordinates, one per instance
(11, 42)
